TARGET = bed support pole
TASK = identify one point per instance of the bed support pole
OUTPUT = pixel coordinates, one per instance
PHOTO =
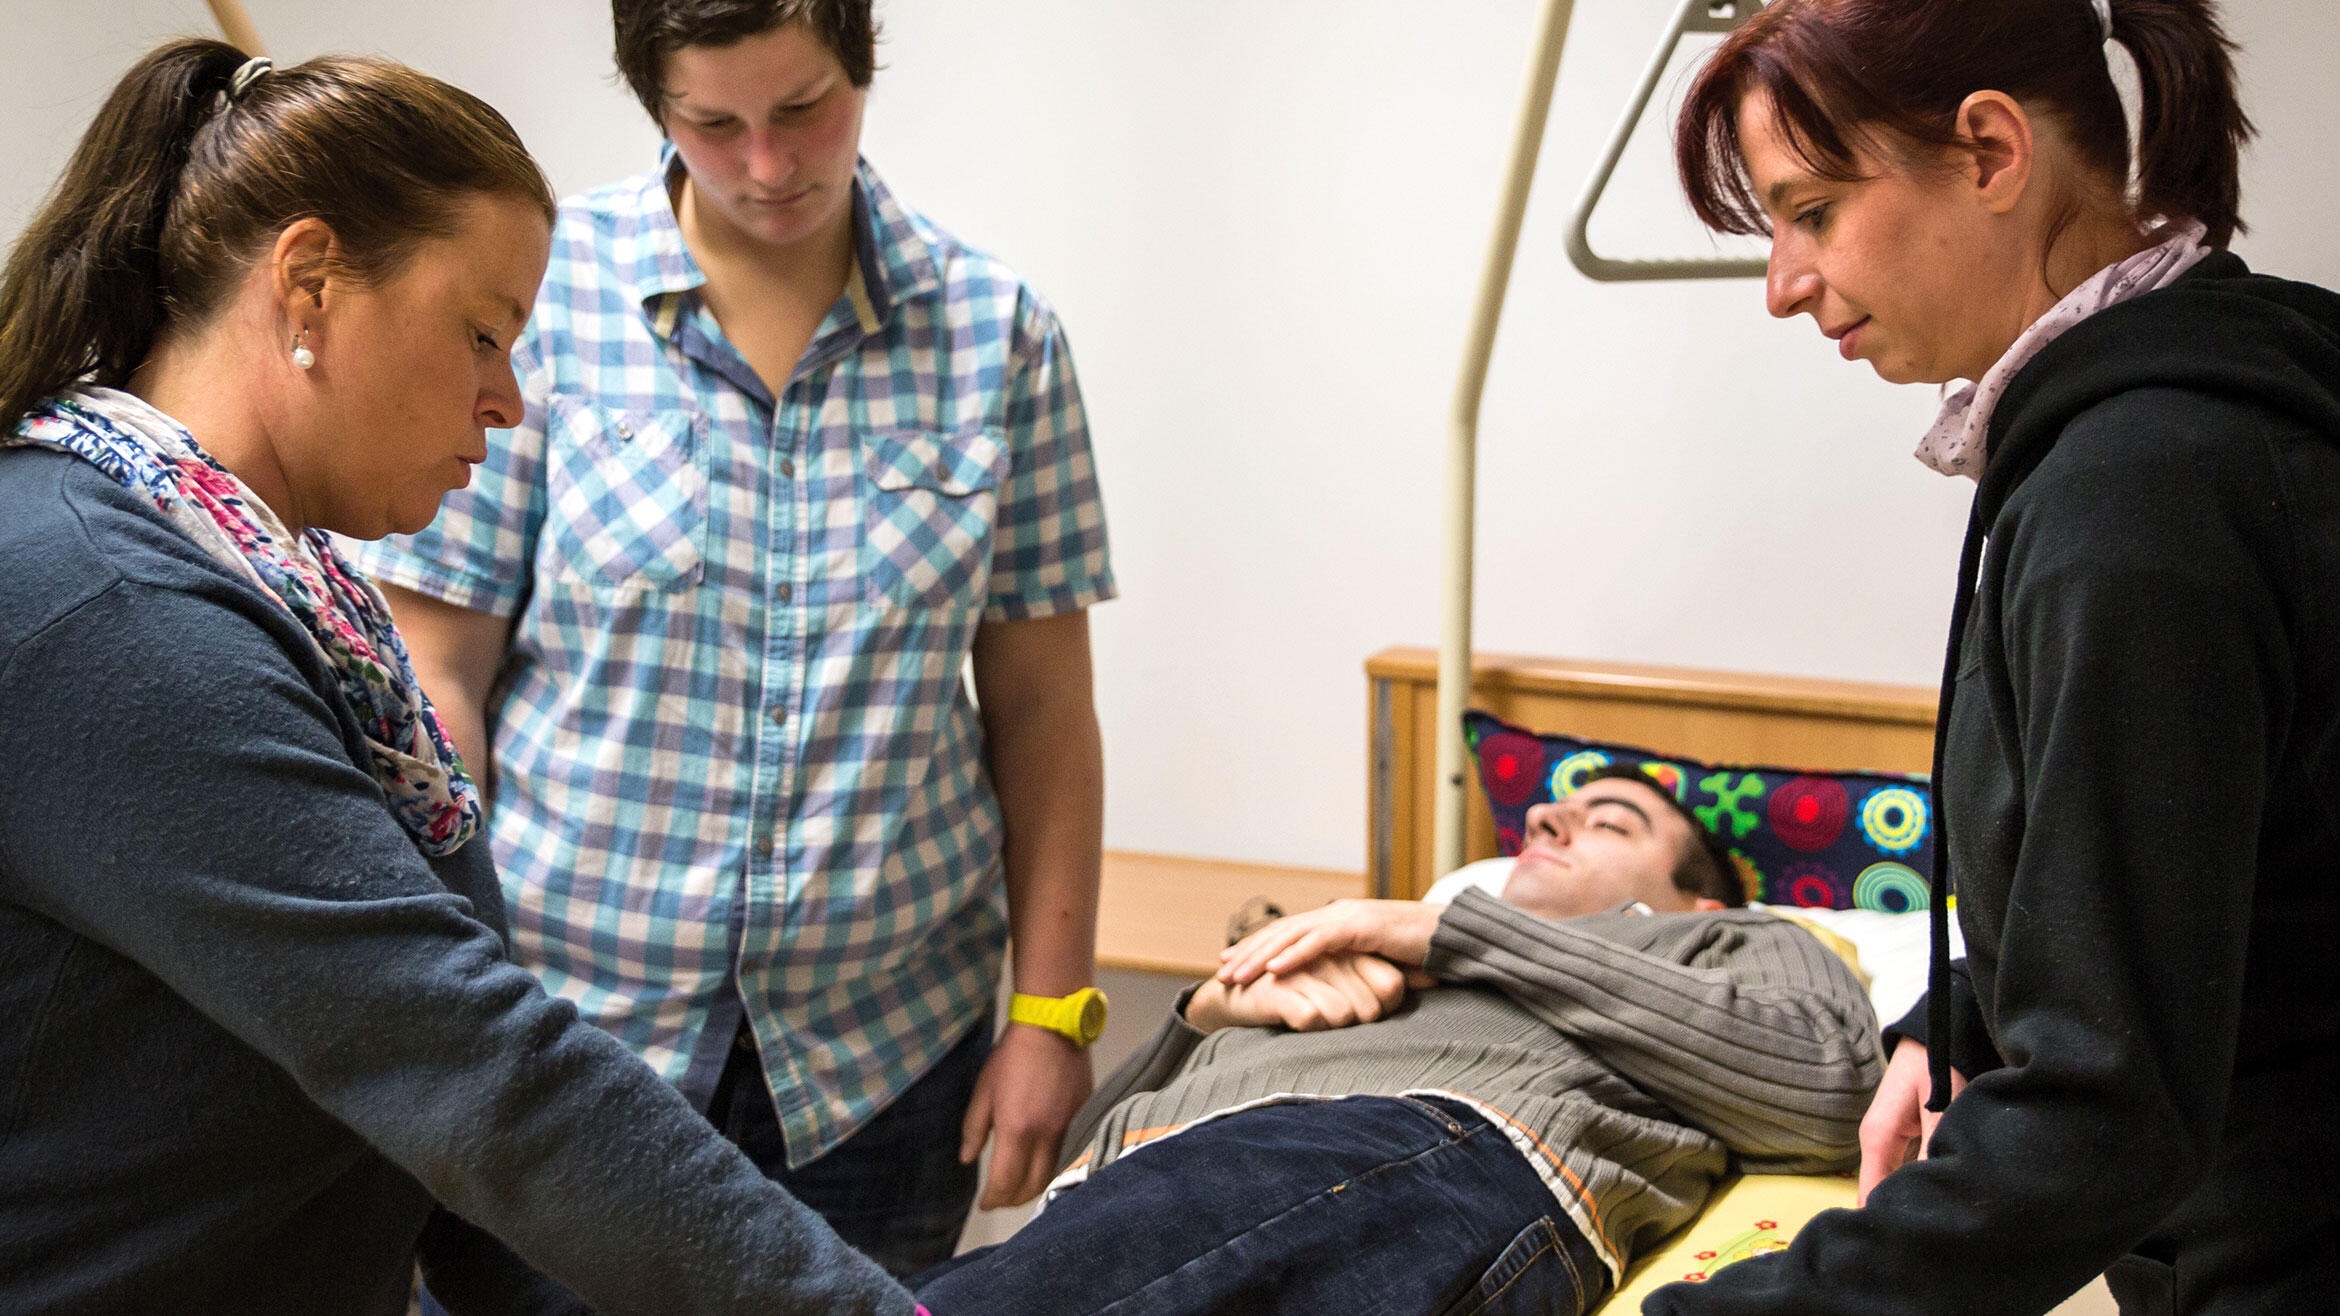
(235, 24)
(1454, 650)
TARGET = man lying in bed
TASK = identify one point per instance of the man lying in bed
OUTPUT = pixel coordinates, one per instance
(1303, 1136)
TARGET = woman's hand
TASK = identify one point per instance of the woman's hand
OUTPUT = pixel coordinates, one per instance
(1898, 1127)
(1396, 930)
(1336, 991)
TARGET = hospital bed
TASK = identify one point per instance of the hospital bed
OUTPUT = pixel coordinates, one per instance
(1717, 717)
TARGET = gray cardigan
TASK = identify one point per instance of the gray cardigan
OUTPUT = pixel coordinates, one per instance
(248, 1033)
(1646, 1052)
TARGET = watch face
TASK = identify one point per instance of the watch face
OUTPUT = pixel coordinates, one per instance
(1093, 1016)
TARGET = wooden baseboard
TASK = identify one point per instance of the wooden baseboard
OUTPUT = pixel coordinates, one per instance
(1168, 914)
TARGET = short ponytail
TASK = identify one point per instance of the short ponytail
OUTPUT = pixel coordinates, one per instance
(2190, 126)
(174, 191)
(1842, 74)
(84, 293)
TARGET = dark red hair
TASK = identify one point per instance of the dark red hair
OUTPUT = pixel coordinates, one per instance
(1842, 75)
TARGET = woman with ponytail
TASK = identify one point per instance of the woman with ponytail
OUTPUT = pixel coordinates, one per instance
(260, 1045)
(2138, 754)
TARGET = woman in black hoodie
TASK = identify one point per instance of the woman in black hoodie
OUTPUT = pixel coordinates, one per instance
(2138, 755)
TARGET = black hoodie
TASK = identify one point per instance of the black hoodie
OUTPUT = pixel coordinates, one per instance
(2139, 768)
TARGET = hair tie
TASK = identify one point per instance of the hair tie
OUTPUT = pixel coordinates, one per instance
(258, 67)
(2104, 17)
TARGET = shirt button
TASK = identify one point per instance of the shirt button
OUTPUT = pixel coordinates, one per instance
(787, 469)
(764, 846)
(625, 430)
(779, 719)
(787, 591)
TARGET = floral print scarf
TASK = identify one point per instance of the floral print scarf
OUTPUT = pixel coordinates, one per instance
(154, 456)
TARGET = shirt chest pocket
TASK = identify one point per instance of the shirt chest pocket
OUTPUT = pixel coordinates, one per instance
(930, 502)
(626, 504)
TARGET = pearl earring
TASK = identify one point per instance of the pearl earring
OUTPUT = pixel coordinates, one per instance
(302, 356)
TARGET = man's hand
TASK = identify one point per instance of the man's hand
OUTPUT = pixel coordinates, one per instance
(1031, 1087)
(1898, 1127)
(1336, 991)
(1396, 930)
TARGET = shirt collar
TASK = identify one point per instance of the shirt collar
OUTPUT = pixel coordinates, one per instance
(894, 255)
(892, 260)
(661, 264)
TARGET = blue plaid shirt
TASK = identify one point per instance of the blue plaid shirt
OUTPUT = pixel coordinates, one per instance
(732, 728)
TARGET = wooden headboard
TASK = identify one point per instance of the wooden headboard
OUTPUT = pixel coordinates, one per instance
(1718, 716)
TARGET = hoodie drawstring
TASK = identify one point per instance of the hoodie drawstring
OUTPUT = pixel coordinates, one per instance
(1938, 987)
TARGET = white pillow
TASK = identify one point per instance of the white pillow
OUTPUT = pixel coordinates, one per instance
(1895, 951)
(1488, 875)
(1894, 948)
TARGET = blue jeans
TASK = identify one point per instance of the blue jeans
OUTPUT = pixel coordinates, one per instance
(1396, 1205)
(895, 1189)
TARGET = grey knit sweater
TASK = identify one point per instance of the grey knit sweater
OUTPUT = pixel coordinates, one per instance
(1642, 1052)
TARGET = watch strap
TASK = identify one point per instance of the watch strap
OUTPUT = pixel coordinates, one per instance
(1057, 1014)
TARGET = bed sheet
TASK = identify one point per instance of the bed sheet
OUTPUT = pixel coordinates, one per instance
(1750, 1215)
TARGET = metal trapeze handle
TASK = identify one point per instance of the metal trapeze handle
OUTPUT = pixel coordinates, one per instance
(1716, 16)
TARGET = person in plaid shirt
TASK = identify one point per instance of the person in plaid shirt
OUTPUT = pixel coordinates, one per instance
(793, 460)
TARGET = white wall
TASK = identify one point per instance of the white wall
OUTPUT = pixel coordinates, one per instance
(1261, 223)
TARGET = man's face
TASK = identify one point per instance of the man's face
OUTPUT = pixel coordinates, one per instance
(1611, 843)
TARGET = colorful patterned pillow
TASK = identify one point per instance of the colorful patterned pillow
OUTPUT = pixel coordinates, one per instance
(1837, 840)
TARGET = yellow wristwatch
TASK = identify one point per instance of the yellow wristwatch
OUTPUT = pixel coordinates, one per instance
(1080, 1016)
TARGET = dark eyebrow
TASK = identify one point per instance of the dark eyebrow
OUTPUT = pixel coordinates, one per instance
(1775, 197)
(1622, 803)
(802, 93)
(806, 91)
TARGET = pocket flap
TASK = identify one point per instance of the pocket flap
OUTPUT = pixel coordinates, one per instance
(594, 428)
(956, 464)
(624, 503)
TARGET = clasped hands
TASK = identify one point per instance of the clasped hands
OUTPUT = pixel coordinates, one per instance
(1349, 962)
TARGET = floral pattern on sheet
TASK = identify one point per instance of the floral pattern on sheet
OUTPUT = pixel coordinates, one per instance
(145, 451)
